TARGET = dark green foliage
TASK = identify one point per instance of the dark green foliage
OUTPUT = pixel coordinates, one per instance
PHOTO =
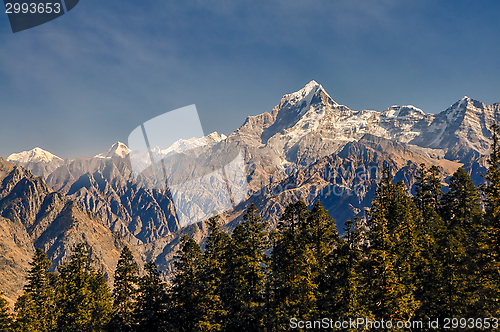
(149, 312)
(458, 248)
(211, 277)
(293, 263)
(492, 187)
(431, 230)
(37, 308)
(433, 255)
(321, 235)
(393, 252)
(83, 299)
(6, 320)
(345, 282)
(245, 274)
(124, 292)
(428, 188)
(462, 203)
(489, 247)
(26, 312)
(187, 311)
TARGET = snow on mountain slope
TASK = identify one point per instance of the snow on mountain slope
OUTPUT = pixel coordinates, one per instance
(142, 159)
(461, 129)
(400, 121)
(309, 124)
(194, 142)
(35, 155)
(118, 149)
(303, 97)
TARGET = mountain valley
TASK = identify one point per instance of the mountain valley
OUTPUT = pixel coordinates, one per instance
(308, 147)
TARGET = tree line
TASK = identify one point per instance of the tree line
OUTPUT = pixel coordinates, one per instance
(423, 256)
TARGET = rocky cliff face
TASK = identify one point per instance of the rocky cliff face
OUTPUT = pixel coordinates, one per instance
(308, 147)
(34, 216)
(309, 124)
(105, 186)
(461, 131)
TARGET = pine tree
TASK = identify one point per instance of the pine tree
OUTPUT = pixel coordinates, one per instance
(462, 214)
(431, 231)
(292, 264)
(322, 236)
(6, 320)
(492, 187)
(101, 305)
(393, 251)
(186, 311)
(83, 297)
(211, 276)
(36, 308)
(428, 188)
(345, 274)
(124, 292)
(149, 313)
(246, 270)
(489, 248)
(26, 310)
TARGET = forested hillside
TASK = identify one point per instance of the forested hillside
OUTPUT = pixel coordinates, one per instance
(424, 257)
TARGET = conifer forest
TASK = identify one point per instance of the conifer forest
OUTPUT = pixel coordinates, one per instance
(429, 256)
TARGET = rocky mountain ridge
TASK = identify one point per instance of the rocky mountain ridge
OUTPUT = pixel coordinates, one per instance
(309, 124)
(34, 216)
(308, 147)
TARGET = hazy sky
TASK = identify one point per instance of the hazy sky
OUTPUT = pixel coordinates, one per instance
(76, 85)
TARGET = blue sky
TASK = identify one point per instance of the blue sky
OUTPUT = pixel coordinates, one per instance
(76, 85)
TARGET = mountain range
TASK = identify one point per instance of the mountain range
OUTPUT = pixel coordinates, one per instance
(308, 147)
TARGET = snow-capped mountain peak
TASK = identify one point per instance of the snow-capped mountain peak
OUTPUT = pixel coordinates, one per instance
(304, 97)
(308, 124)
(191, 143)
(403, 112)
(35, 155)
(118, 149)
(142, 159)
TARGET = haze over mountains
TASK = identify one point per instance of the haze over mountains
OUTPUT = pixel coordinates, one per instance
(308, 147)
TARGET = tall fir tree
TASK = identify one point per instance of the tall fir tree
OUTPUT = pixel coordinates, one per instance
(83, 297)
(292, 265)
(149, 314)
(431, 231)
(321, 235)
(101, 304)
(186, 311)
(346, 285)
(428, 188)
(6, 320)
(489, 260)
(393, 251)
(36, 308)
(491, 189)
(211, 276)
(25, 309)
(246, 271)
(124, 292)
(462, 215)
